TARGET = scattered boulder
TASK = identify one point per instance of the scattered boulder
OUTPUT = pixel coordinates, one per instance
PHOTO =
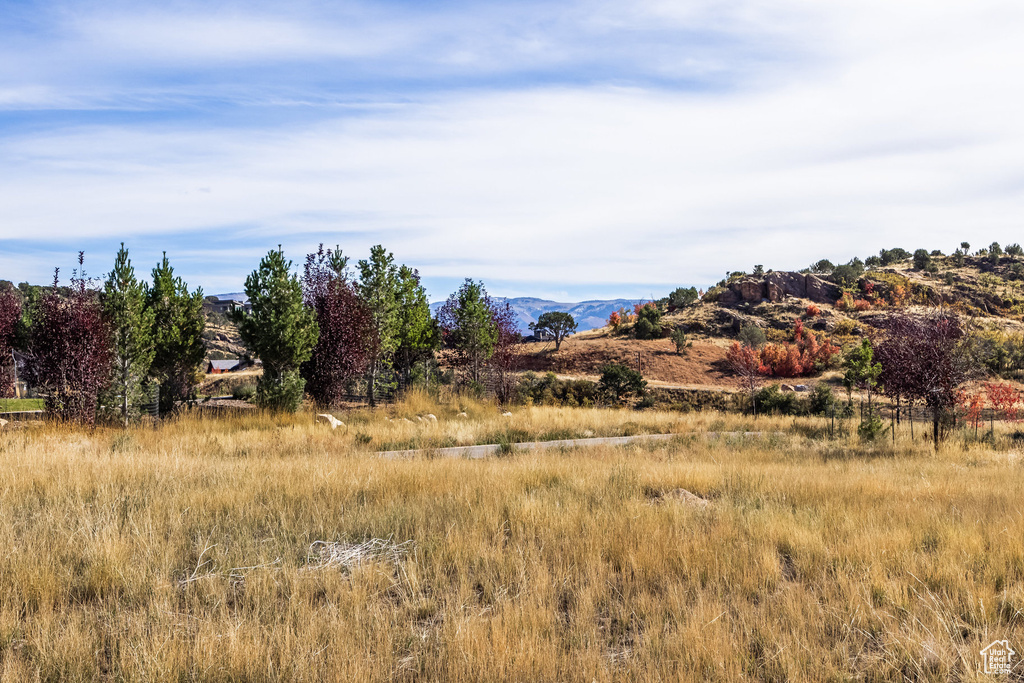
(3, 422)
(462, 415)
(330, 419)
(786, 387)
(430, 417)
(506, 414)
(801, 387)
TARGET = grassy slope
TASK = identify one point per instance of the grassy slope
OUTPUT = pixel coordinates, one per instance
(815, 560)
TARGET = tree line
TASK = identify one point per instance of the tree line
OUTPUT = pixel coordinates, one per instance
(92, 348)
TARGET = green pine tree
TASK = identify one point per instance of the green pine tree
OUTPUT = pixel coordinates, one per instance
(279, 330)
(131, 325)
(468, 322)
(178, 324)
(378, 288)
(417, 333)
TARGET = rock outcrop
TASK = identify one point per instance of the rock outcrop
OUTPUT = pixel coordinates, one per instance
(821, 291)
(779, 285)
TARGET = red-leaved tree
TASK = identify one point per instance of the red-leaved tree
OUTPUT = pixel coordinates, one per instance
(70, 356)
(1004, 399)
(928, 358)
(745, 363)
(804, 356)
(347, 334)
(971, 406)
(507, 351)
(10, 313)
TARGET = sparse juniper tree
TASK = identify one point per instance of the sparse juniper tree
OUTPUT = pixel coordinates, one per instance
(895, 255)
(922, 259)
(994, 252)
(556, 323)
(417, 331)
(648, 322)
(279, 330)
(467, 326)
(378, 288)
(131, 327)
(10, 316)
(70, 348)
(178, 324)
(346, 334)
(822, 267)
(680, 339)
(965, 247)
(681, 297)
(1014, 250)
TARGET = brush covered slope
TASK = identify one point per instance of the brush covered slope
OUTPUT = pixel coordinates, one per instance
(839, 304)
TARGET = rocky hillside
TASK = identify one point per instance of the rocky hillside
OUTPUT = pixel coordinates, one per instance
(848, 300)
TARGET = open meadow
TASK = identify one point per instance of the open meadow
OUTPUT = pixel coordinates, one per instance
(272, 548)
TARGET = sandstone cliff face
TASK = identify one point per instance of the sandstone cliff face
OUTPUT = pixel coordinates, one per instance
(776, 286)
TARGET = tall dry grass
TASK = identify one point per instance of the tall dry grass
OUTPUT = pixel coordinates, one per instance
(183, 553)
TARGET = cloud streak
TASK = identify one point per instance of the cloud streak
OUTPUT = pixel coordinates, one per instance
(505, 144)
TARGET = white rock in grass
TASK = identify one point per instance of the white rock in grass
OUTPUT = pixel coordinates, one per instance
(506, 414)
(330, 419)
(430, 417)
(462, 415)
(419, 419)
(405, 419)
(3, 423)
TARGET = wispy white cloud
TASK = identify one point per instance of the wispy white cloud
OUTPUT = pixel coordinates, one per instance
(868, 125)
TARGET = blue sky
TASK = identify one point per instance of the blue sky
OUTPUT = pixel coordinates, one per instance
(566, 150)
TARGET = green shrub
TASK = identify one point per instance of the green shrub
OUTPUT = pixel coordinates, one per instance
(244, 392)
(618, 382)
(678, 337)
(648, 323)
(822, 401)
(771, 400)
(550, 390)
(752, 336)
(871, 427)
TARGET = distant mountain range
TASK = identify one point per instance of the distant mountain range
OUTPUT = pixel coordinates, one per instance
(587, 314)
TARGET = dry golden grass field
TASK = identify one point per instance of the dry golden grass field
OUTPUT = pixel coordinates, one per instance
(242, 549)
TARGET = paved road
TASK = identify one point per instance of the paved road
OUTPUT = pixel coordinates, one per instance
(492, 449)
